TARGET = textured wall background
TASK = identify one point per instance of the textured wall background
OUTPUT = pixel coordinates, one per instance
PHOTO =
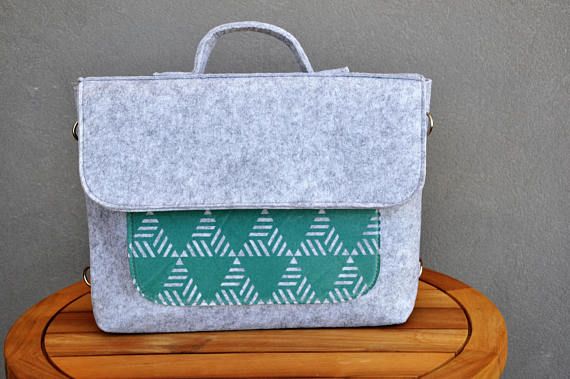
(497, 209)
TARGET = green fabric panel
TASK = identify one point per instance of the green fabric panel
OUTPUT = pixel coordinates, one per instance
(234, 257)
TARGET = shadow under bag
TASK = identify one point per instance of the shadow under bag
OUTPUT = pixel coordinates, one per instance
(248, 201)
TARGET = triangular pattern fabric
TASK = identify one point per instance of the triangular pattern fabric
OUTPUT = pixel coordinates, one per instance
(248, 257)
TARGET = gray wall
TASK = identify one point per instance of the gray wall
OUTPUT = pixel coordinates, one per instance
(496, 200)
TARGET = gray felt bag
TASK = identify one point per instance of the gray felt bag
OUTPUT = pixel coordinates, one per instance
(244, 201)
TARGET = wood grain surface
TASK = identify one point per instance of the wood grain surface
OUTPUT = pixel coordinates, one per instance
(454, 332)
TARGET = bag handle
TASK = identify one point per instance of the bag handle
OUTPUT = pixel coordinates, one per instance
(208, 42)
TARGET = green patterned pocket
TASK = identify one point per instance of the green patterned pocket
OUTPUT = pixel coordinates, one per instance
(234, 257)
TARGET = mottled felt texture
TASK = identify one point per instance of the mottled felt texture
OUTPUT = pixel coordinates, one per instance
(178, 141)
(118, 307)
(209, 40)
(320, 140)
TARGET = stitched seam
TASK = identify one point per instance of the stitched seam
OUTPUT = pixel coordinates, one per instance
(132, 264)
(377, 263)
(378, 260)
(248, 76)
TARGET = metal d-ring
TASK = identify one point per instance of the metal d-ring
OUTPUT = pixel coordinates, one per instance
(74, 130)
(85, 278)
(430, 121)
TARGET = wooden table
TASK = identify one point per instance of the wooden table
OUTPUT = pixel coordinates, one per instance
(454, 332)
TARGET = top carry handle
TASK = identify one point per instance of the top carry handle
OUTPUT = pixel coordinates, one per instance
(208, 42)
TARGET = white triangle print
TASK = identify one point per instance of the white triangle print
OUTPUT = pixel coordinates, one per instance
(239, 288)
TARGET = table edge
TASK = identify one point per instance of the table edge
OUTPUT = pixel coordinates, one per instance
(28, 358)
(485, 352)
(483, 355)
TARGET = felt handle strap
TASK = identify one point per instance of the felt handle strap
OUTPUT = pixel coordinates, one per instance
(208, 42)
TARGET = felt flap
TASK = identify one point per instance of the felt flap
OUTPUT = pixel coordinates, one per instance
(223, 141)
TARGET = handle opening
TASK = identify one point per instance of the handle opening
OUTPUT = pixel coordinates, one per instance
(208, 42)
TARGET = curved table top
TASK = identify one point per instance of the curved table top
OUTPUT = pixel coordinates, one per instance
(454, 331)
